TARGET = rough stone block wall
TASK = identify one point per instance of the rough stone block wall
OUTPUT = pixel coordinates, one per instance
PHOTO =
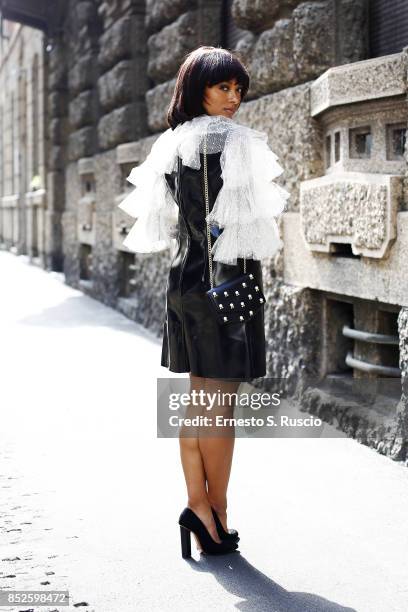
(57, 121)
(82, 93)
(168, 47)
(122, 81)
(292, 324)
(69, 226)
(160, 13)
(156, 108)
(400, 442)
(175, 29)
(405, 179)
(107, 83)
(292, 134)
(151, 278)
(290, 42)
(104, 255)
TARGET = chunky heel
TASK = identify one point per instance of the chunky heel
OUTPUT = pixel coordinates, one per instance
(185, 537)
(190, 522)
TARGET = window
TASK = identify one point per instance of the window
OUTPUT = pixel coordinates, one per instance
(328, 150)
(360, 141)
(336, 147)
(396, 135)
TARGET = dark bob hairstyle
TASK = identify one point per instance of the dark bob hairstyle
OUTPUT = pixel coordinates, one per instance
(203, 66)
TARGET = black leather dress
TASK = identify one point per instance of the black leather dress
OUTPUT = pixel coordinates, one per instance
(193, 341)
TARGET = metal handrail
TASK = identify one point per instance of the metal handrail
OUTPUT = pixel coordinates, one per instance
(371, 368)
(365, 336)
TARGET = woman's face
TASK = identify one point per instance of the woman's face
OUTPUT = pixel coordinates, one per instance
(222, 98)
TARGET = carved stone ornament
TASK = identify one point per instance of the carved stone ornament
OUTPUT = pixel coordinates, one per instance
(351, 208)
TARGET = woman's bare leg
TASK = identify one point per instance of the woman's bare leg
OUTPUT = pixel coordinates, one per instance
(193, 467)
(217, 445)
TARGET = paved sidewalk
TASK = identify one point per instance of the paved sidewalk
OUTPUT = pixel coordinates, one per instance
(90, 497)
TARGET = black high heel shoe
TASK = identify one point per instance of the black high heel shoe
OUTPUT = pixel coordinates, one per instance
(188, 522)
(231, 534)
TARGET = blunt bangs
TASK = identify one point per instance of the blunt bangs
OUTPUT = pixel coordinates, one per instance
(203, 66)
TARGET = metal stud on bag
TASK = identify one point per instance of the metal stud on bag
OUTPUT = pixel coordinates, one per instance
(227, 294)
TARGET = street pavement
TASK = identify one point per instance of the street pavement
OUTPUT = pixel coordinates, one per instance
(90, 496)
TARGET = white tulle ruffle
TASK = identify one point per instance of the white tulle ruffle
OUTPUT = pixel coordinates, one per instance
(249, 201)
(151, 202)
(246, 206)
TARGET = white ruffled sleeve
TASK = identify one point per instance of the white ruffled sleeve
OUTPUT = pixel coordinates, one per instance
(152, 202)
(249, 201)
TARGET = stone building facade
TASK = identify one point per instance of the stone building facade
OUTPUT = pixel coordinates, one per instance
(330, 90)
(23, 169)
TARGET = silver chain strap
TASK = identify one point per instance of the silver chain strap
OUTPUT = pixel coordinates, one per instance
(207, 212)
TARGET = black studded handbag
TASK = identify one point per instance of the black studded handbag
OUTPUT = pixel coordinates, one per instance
(239, 299)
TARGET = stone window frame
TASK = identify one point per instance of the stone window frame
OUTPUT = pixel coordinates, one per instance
(389, 155)
(352, 149)
(337, 146)
(332, 146)
(327, 150)
(128, 283)
(85, 255)
(87, 178)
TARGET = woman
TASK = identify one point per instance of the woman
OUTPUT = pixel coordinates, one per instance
(206, 159)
